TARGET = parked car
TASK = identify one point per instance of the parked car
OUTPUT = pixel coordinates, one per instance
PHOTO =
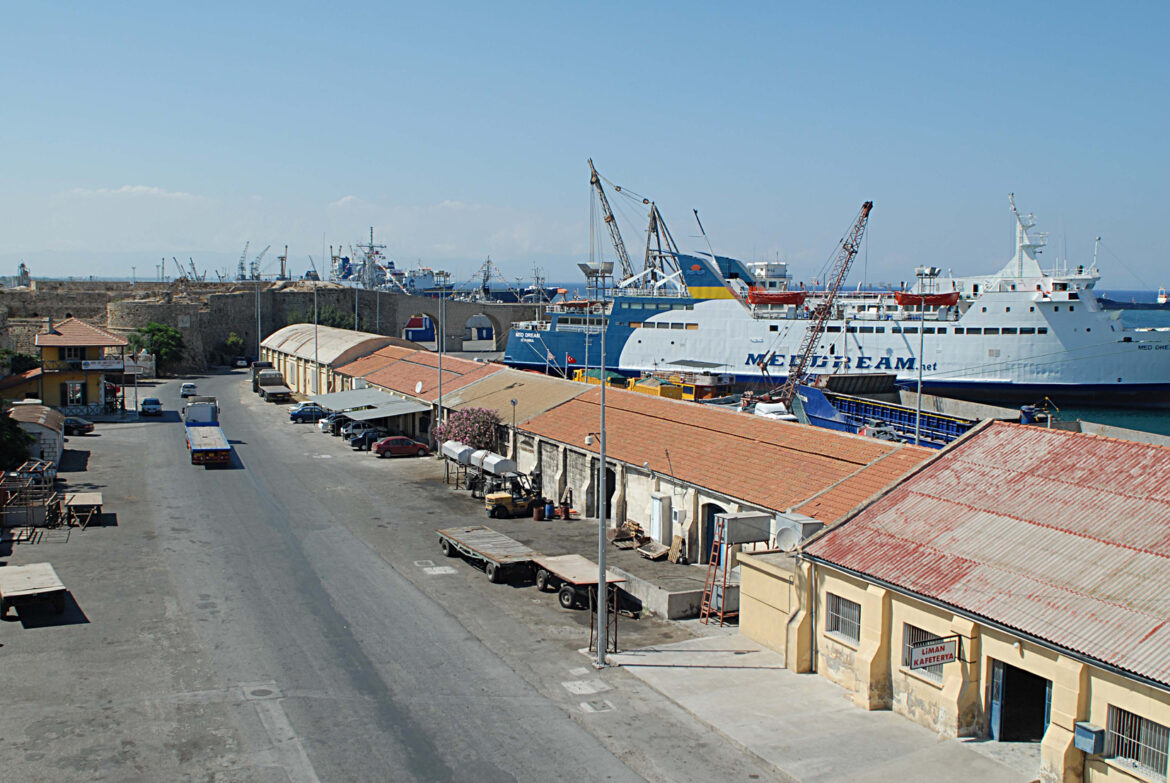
(400, 446)
(77, 426)
(358, 428)
(364, 441)
(311, 412)
(151, 406)
(240, 361)
(333, 423)
(188, 390)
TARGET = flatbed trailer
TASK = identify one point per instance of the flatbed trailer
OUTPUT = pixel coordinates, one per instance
(32, 583)
(494, 550)
(573, 577)
(208, 445)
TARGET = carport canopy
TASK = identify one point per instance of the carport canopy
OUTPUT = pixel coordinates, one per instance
(388, 409)
(354, 398)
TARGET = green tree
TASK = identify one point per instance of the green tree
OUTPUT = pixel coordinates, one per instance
(19, 362)
(165, 342)
(234, 344)
(14, 443)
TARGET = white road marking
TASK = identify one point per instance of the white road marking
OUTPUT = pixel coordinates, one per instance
(424, 563)
(580, 671)
(585, 687)
(289, 751)
(436, 570)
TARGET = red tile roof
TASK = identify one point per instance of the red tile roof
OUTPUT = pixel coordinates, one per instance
(1060, 535)
(421, 367)
(74, 333)
(774, 464)
(16, 379)
(383, 357)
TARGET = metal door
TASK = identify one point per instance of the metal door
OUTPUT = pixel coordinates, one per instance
(996, 698)
(656, 520)
(1047, 703)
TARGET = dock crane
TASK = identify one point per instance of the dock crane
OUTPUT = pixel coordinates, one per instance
(242, 274)
(615, 236)
(824, 308)
(254, 271)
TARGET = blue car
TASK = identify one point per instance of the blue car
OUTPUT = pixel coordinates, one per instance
(307, 413)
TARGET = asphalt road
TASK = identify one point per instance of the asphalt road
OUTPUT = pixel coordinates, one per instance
(290, 618)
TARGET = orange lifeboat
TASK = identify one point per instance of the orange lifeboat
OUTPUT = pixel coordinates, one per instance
(759, 296)
(926, 300)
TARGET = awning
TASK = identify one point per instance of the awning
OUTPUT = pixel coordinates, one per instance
(386, 410)
(354, 398)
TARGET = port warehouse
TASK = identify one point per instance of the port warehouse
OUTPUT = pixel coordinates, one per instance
(1043, 553)
(693, 462)
(1093, 565)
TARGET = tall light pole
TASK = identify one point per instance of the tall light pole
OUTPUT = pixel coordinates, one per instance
(923, 273)
(259, 334)
(439, 340)
(602, 508)
(513, 401)
(316, 366)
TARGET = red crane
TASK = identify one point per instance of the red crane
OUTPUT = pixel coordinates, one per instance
(824, 308)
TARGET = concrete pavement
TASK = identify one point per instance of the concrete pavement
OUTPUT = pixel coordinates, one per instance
(803, 725)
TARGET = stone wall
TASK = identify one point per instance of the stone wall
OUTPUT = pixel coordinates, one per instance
(206, 313)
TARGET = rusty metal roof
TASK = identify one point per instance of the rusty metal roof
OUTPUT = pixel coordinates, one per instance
(1060, 535)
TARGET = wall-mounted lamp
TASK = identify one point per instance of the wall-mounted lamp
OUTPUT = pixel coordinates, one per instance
(589, 438)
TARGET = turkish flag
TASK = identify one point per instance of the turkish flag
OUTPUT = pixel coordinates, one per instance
(569, 359)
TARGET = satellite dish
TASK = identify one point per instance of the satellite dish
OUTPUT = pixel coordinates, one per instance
(787, 539)
(418, 388)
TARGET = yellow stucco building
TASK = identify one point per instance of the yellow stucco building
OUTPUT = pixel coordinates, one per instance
(1036, 561)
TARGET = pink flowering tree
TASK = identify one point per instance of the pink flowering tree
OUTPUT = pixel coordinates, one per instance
(475, 427)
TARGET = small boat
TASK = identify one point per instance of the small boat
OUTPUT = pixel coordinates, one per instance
(1162, 298)
(926, 300)
(758, 296)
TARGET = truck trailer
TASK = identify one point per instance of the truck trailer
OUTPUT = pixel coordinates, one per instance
(205, 440)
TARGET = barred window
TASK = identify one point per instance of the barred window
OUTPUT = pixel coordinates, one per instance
(1138, 741)
(843, 618)
(912, 635)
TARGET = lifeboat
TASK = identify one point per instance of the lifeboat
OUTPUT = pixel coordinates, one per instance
(759, 296)
(926, 300)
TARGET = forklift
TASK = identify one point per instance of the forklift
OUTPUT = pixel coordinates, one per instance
(512, 494)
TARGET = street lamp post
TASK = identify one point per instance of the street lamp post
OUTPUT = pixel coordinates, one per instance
(923, 273)
(513, 401)
(316, 366)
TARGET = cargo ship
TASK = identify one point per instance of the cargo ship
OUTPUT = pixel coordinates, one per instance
(1017, 335)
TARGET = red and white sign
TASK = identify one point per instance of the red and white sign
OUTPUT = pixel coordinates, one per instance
(933, 653)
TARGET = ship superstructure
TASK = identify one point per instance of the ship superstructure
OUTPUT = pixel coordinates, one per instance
(1018, 334)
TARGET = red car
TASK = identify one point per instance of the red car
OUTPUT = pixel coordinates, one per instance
(398, 446)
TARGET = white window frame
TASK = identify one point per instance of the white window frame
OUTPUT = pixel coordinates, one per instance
(912, 635)
(1137, 742)
(842, 618)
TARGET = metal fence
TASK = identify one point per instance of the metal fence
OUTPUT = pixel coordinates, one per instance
(912, 635)
(1137, 740)
(843, 618)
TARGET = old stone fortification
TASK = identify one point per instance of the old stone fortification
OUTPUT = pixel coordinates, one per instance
(206, 313)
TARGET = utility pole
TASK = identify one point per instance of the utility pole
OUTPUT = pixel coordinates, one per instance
(316, 366)
(602, 508)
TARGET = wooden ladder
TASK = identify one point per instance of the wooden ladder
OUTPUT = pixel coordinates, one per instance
(716, 576)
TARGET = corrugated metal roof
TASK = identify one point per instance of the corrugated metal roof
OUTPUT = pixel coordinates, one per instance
(386, 409)
(30, 413)
(534, 394)
(353, 398)
(404, 376)
(1060, 535)
(772, 464)
(331, 343)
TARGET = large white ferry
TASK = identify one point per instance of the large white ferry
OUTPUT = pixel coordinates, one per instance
(1017, 335)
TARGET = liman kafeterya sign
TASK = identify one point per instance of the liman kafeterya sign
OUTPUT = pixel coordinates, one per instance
(933, 653)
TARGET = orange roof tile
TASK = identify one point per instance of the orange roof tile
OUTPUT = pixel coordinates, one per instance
(75, 333)
(774, 464)
(383, 357)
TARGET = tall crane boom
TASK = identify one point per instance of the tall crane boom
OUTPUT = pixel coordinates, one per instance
(824, 309)
(615, 236)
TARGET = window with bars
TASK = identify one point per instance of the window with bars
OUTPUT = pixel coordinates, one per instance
(1139, 741)
(912, 635)
(843, 618)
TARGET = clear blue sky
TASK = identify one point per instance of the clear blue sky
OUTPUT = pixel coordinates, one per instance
(459, 130)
